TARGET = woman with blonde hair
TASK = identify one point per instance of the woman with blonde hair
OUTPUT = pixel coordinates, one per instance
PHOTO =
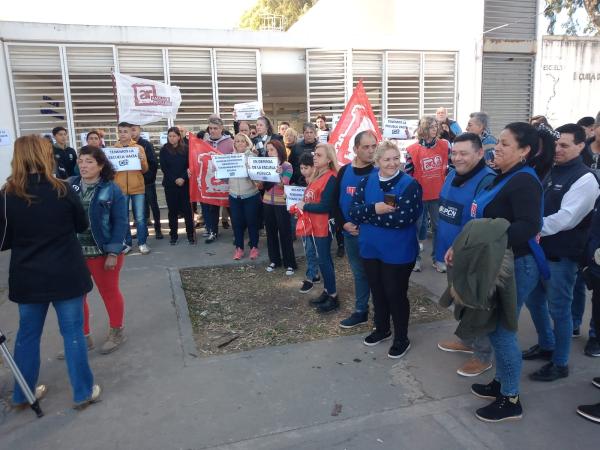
(51, 255)
(313, 213)
(290, 137)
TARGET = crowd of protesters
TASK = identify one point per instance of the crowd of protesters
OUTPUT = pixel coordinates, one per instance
(512, 220)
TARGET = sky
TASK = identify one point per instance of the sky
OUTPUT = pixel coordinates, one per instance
(219, 14)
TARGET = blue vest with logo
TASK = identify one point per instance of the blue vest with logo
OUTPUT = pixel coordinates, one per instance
(390, 245)
(348, 185)
(455, 208)
(485, 196)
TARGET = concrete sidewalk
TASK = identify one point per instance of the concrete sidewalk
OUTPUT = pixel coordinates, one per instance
(330, 394)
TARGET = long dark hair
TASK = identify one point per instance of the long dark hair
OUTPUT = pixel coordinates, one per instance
(108, 172)
(542, 146)
(281, 153)
(180, 146)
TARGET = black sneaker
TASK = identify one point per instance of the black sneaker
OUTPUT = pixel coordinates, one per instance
(340, 251)
(399, 349)
(316, 280)
(590, 412)
(376, 337)
(592, 347)
(503, 408)
(331, 304)
(536, 352)
(173, 241)
(191, 241)
(320, 299)
(158, 234)
(576, 333)
(550, 372)
(490, 390)
(596, 382)
(355, 319)
(306, 287)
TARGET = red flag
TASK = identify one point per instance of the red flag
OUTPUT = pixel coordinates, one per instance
(357, 116)
(204, 187)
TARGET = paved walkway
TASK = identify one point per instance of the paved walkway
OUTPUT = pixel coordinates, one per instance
(330, 394)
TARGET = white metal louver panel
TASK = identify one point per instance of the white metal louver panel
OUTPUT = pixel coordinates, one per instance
(519, 14)
(403, 90)
(439, 83)
(369, 67)
(38, 88)
(146, 63)
(326, 82)
(91, 87)
(507, 88)
(237, 75)
(191, 70)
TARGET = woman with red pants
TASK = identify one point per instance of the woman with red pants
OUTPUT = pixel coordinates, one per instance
(103, 242)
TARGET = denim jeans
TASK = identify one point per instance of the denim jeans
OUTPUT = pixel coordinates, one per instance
(578, 306)
(27, 346)
(527, 276)
(361, 284)
(430, 208)
(508, 360)
(552, 299)
(326, 263)
(211, 217)
(312, 262)
(482, 348)
(244, 214)
(138, 206)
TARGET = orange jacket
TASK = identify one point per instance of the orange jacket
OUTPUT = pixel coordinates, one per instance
(430, 167)
(131, 182)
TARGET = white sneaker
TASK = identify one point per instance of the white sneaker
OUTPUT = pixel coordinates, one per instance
(289, 272)
(417, 267)
(440, 267)
(270, 267)
(127, 249)
(144, 249)
(420, 247)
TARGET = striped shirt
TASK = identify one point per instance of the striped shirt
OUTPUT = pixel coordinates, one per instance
(276, 194)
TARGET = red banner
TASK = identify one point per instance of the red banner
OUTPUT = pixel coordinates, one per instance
(204, 187)
(357, 116)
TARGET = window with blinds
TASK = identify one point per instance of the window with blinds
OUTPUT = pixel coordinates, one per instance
(38, 88)
(191, 70)
(326, 82)
(92, 97)
(439, 83)
(145, 63)
(403, 89)
(237, 80)
(518, 19)
(368, 66)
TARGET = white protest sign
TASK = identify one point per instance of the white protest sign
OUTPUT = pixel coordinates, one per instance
(83, 138)
(247, 111)
(323, 136)
(293, 194)
(399, 128)
(164, 138)
(5, 137)
(232, 165)
(263, 169)
(123, 158)
(145, 135)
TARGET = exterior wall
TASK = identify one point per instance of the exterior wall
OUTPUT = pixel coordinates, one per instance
(569, 79)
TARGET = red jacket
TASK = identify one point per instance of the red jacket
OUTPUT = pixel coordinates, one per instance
(430, 167)
(315, 224)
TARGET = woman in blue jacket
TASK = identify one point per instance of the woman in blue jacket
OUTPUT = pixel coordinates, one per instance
(103, 242)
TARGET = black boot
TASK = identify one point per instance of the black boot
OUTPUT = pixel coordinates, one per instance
(320, 299)
(490, 390)
(503, 408)
(331, 304)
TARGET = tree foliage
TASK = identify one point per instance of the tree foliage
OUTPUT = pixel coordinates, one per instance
(570, 7)
(292, 10)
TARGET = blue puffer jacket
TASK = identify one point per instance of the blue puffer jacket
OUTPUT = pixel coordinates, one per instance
(107, 214)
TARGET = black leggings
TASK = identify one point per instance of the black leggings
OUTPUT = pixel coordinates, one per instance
(178, 201)
(389, 287)
(596, 304)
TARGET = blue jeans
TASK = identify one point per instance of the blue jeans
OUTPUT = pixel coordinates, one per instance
(312, 262)
(527, 276)
(431, 209)
(508, 359)
(361, 284)
(552, 299)
(138, 206)
(578, 306)
(326, 263)
(244, 214)
(27, 346)
(482, 348)
(210, 213)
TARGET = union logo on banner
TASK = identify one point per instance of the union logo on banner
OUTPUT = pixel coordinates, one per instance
(357, 116)
(204, 186)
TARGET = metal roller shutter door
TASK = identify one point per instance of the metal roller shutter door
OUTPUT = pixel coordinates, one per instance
(91, 88)
(37, 87)
(326, 82)
(507, 88)
(519, 14)
(238, 80)
(191, 70)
